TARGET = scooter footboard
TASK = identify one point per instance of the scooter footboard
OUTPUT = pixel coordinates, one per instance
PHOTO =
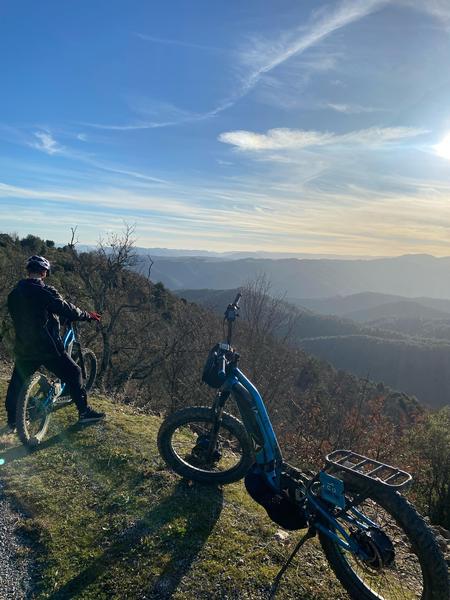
(368, 469)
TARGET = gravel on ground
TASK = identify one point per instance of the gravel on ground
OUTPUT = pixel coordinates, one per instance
(16, 557)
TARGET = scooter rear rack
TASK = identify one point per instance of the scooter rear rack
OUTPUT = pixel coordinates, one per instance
(368, 469)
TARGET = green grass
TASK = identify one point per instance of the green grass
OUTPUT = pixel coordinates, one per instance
(109, 521)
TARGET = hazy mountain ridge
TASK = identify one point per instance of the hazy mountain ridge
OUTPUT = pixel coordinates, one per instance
(227, 255)
(397, 310)
(345, 306)
(409, 276)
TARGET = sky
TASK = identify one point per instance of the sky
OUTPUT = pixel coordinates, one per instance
(291, 125)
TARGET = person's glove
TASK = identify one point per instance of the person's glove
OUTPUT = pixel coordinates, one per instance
(94, 316)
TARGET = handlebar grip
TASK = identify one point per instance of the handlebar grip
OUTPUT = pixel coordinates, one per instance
(237, 299)
(222, 372)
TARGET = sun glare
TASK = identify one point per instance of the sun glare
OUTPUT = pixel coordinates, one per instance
(443, 148)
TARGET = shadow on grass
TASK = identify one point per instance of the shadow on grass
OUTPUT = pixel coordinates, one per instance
(9, 455)
(198, 506)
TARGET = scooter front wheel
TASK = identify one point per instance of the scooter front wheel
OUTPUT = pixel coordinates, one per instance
(195, 446)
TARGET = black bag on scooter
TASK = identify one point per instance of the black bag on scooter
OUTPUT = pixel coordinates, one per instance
(278, 505)
(210, 373)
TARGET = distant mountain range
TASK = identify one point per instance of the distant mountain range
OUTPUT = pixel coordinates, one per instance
(238, 254)
(232, 255)
(410, 276)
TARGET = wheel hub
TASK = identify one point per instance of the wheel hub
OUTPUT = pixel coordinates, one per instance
(36, 408)
(202, 450)
(378, 548)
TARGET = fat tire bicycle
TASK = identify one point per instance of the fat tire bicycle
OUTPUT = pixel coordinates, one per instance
(42, 395)
(378, 545)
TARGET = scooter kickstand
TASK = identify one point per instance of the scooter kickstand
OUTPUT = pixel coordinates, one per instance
(308, 535)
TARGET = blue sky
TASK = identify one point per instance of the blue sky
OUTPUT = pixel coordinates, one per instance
(301, 126)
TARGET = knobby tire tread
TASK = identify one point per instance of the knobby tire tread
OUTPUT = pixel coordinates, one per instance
(21, 413)
(434, 568)
(89, 354)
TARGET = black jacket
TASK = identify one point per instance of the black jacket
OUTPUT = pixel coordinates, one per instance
(35, 308)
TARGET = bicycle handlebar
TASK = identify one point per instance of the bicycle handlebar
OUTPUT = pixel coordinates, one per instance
(231, 313)
(237, 299)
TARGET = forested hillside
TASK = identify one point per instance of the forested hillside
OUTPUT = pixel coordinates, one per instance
(419, 368)
(151, 347)
(389, 351)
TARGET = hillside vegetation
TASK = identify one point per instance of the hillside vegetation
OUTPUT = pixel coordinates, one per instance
(418, 367)
(108, 521)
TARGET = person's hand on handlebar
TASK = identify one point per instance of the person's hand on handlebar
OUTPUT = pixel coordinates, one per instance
(94, 316)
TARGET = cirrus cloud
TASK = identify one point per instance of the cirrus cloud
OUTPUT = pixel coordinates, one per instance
(285, 138)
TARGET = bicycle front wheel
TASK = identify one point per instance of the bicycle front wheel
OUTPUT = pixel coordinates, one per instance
(191, 446)
(403, 560)
(33, 411)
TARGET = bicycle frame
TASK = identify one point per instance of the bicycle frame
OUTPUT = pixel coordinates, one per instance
(269, 457)
(69, 340)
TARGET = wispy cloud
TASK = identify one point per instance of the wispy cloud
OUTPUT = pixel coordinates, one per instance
(135, 125)
(152, 114)
(283, 138)
(438, 9)
(353, 220)
(172, 42)
(46, 143)
(264, 56)
(274, 139)
(351, 109)
(128, 172)
(261, 56)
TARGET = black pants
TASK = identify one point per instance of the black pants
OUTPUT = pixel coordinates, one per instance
(62, 366)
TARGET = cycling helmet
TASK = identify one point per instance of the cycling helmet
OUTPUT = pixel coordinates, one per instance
(37, 263)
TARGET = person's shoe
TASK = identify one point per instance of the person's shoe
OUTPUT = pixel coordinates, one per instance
(11, 428)
(90, 416)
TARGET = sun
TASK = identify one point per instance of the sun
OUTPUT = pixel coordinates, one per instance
(443, 148)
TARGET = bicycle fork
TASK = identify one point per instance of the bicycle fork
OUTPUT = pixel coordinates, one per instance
(217, 407)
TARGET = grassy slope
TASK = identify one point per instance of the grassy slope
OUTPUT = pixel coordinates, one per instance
(111, 522)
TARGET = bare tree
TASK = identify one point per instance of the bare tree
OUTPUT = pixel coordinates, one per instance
(269, 319)
(111, 286)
